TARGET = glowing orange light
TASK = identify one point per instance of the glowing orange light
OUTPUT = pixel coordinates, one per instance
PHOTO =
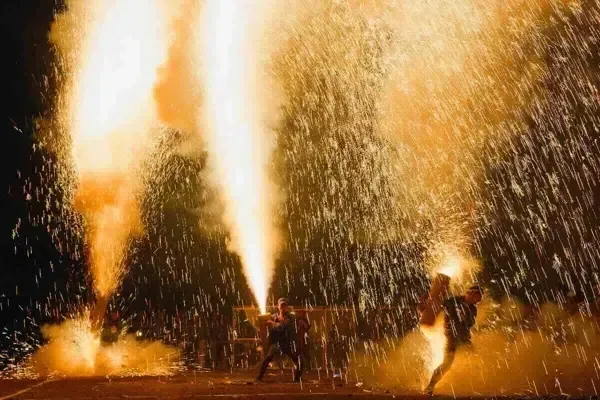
(451, 265)
(236, 138)
(113, 50)
(436, 340)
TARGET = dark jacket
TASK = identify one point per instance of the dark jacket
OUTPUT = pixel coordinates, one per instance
(283, 331)
(459, 318)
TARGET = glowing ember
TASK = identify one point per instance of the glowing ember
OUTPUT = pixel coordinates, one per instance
(237, 141)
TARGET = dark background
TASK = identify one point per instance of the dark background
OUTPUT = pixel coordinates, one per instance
(539, 237)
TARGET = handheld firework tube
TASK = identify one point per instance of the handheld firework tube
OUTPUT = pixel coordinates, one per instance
(98, 311)
(432, 305)
(263, 329)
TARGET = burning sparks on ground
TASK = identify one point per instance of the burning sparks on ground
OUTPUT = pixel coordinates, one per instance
(72, 347)
(237, 137)
(75, 349)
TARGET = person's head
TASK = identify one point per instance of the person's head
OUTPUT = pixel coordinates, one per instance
(282, 304)
(474, 295)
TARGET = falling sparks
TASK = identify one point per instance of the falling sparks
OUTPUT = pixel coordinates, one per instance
(417, 138)
(75, 349)
(237, 139)
(108, 111)
(436, 342)
(113, 60)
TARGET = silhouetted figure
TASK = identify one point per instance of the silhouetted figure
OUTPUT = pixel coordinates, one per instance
(281, 340)
(112, 327)
(218, 337)
(460, 313)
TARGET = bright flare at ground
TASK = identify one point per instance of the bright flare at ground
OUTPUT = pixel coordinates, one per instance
(236, 137)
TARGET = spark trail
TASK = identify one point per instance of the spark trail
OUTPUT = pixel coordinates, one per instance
(237, 138)
(111, 59)
(108, 111)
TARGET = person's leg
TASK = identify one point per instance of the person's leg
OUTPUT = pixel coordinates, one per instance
(301, 365)
(442, 369)
(297, 360)
(213, 353)
(272, 351)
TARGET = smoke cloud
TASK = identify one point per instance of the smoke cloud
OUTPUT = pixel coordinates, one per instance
(510, 355)
(74, 349)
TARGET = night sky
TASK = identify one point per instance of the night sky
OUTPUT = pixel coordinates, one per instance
(27, 61)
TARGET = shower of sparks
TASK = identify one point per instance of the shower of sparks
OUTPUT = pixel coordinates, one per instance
(452, 136)
(113, 60)
(436, 341)
(75, 349)
(237, 138)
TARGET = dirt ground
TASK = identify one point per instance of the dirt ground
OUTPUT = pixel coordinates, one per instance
(198, 385)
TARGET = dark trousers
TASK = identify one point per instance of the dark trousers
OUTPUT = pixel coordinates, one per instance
(277, 349)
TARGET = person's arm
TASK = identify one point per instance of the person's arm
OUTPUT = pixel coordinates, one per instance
(287, 323)
(473, 317)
